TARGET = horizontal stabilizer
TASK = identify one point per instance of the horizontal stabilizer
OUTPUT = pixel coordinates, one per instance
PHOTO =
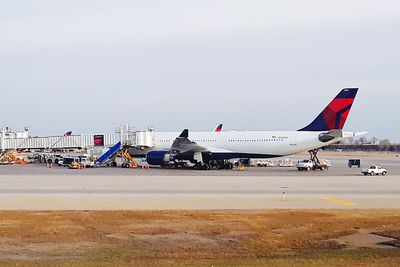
(353, 134)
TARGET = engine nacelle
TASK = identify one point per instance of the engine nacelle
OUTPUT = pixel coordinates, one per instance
(158, 157)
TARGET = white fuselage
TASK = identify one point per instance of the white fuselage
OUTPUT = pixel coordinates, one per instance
(269, 143)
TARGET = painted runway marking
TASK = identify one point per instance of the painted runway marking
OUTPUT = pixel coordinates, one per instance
(339, 201)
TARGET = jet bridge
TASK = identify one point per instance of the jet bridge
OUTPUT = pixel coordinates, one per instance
(127, 137)
(143, 139)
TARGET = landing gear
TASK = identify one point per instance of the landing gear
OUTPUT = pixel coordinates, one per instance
(206, 167)
(197, 166)
(219, 165)
(180, 164)
(228, 166)
(176, 165)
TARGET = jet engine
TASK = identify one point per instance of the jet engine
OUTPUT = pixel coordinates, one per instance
(159, 157)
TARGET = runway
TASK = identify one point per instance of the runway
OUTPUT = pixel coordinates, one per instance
(197, 192)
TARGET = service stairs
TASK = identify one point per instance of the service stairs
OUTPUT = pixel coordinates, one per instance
(103, 159)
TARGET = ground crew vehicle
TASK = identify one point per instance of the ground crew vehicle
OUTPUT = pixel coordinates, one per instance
(304, 165)
(86, 161)
(354, 162)
(75, 165)
(55, 159)
(307, 165)
(374, 170)
(128, 161)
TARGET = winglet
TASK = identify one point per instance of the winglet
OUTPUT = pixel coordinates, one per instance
(184, 134)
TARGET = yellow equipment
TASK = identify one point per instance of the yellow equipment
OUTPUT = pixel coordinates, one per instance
(75, 165)
(132, 163)
(9, 157)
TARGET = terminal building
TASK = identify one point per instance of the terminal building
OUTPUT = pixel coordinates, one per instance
(20, 141)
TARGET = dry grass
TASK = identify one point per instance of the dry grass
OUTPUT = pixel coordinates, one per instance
(247, 238)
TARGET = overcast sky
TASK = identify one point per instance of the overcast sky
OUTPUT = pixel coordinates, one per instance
(86, 66)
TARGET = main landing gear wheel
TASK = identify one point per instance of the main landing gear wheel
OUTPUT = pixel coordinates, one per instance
(220, 166)
(229, 166)
(206, 166)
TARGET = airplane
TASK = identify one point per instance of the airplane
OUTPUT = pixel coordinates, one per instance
(207, 150)
(138, 152)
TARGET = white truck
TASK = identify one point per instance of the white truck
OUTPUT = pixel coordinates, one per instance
(374, 170)
(307, 165)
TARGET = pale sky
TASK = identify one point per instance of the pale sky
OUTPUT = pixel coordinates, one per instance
(86, 66)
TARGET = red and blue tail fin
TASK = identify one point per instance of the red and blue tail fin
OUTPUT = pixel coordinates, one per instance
(218, 128)
(335, 114)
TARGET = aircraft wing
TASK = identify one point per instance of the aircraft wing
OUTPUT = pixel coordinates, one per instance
(183, 145)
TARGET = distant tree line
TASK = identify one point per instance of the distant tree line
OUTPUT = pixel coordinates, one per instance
(363, 144)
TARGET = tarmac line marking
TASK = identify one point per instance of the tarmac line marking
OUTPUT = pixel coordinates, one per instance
(339, 201)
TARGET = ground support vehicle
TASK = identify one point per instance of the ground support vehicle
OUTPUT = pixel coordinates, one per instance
(307, 165)
(354, 162)
(374, 170)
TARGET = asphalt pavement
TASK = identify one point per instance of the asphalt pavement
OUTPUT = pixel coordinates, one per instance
(35, 187)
